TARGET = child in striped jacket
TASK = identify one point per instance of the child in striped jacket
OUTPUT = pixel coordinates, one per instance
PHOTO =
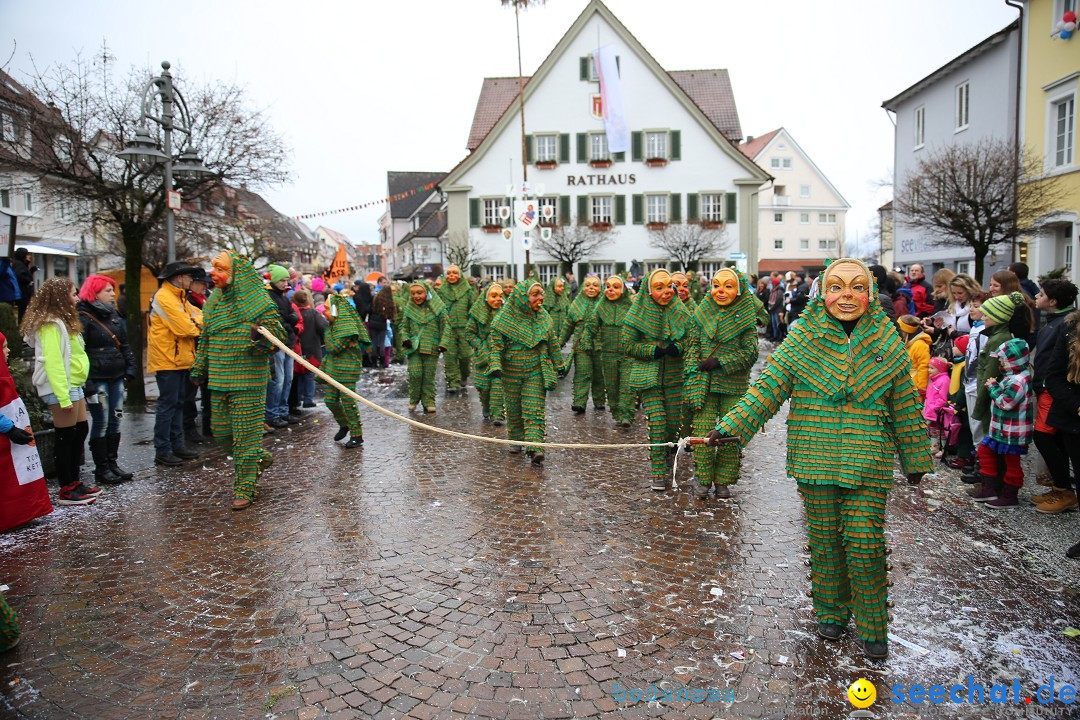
(1012, 424)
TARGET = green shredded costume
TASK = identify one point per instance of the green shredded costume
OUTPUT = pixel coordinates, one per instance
(9, 626)
(523, 351)
(696, 291)
(603, 330)
(235, 365)
(424, 329)
(655, 337)
(458, 298)
(729, 335)
(853, 408)
(492, 401)
(588, 370)
(346, 340)
(400, 298)
(557, 305)
(687, 425)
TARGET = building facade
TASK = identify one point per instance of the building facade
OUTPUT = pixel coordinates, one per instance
(970, 99)
(801, 218)
(1050, 85)
(683, 168)
(405, 215)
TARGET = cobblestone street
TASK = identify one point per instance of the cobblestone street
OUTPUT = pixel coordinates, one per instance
(429, 577)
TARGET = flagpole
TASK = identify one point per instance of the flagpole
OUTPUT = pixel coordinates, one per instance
(521, 105)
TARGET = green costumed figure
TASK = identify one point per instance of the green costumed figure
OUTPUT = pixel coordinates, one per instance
(655, 335)
(401, 297)
(232, 360)
(425, 332)
(346, 341)
(697, 292)
(9, 626)
(853, 408)
(681, 281)
(524, 353)
(482, 313)
(588, 372)
(458, 295)
(723, 347)
(603, 330)
(557, 303)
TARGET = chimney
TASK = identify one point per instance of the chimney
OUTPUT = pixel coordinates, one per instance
(749, 138)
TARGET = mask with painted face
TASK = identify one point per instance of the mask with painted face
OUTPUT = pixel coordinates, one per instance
(613, 288)
(725, 287)
(221, 270)
(559, 286)
(846, 289)
(682, 285)
(536, 297)
(661, 288)
(418, 294)
(494, 297)
(453, 274)
(591, 287)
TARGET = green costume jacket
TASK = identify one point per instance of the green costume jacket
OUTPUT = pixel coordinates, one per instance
(853, 404)
(646, 326)
(729, 334)
(557, 306)
(603, 327)
(346, 340)
(989, 367)
(227, 356)
(576, 316)
(458, 299)
(427, 326)
(477, 331)
(523, 341)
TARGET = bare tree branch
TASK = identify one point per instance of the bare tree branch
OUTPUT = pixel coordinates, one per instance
(570, 244)
(687, 243)
(463, 252)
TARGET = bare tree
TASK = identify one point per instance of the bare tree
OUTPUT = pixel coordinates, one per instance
(571, 243)
(687, 243)
(462, 251)
(85, 116)
(977, 196)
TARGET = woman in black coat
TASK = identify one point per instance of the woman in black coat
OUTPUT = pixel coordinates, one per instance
(1063, 384)
(111, 366)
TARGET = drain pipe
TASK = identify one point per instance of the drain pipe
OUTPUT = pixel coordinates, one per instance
(1019, 5)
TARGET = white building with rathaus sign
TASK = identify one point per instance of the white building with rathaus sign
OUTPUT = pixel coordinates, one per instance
(684, 165)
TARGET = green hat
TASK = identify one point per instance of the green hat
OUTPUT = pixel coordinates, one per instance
(1001, 307)
(278, 273)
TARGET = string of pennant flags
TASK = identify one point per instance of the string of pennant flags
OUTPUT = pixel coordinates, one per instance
(370, 203)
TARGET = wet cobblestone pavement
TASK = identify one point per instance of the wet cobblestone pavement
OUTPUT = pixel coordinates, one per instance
(429, 577)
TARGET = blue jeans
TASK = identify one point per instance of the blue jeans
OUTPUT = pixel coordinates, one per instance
(306, 387)
(105, 414)
(169, 419)
(277, 390)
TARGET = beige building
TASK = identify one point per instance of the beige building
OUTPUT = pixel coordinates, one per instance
(801, 219)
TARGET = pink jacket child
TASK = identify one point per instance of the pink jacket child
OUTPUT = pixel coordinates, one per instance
(937, 399)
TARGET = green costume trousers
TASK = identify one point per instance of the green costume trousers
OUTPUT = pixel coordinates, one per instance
(616, 371)
(343, 407)
(588, 372)
(845, 528)
(9, 625)
(526, 402)
(422, 379)
(236, 419)
(458, 357)
(718, 465)
(492, 400)
(663, 405)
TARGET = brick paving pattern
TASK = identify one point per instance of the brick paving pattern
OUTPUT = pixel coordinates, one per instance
(428, 577)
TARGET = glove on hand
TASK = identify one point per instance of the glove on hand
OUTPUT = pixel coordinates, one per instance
(715, 436)
(658, 352)
(19, 436)
(407, 344)
(674, 350)
(710, 364)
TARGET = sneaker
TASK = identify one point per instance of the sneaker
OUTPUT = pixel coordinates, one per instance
(354, 442)
(167, 459)
(1063, 501)
(93, 490)
(74, 495)
(723, 492)
(278, 423)
(309, 404)
(185, 454)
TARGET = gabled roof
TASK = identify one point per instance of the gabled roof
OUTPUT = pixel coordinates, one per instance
(713, 87)
(769, 138)
(752, 148)
(402, 181)
(433, 227)
(957, 62)
(334, 235)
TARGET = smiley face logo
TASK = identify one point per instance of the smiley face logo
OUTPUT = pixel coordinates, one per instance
(862, 693)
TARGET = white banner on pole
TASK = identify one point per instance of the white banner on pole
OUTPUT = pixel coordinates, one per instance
(618, 134)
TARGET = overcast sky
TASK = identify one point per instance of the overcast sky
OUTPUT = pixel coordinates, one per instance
(358, 88)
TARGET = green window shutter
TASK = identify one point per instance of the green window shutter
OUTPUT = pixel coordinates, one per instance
(638, 202)
(584, 64)
(583, 210)
(474, 212)
(620, 209)
(529, 152)
(583, 147)
(620, 268)
(564, 147)
(676, 208)
(618, 66)
(564, 210)
(635, 145)
(676, 145)
(691, 207)
(582, 271)
(618, 157)
(509, 221)
(730, 199)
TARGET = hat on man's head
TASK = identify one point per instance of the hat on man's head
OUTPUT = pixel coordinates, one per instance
(278, 273)
(198, 275)
(1000, 308)
(178, 267)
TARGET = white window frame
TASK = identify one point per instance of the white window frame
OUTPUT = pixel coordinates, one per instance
(708, 268)
(826, 218)
(804, 218)
(494, 271)
(601, 209)
(657, 145)
(651, 265)
(28, 201)
(1060, 8)
(778, 244)
(963, 267)
(594, 76)
(711, 207)
(491, 212)
(547, 272)
(804, 191)
(547, 147)
(603, 269)
(786, 165)
(598, 147)
(778, 217)
(657, 208)
(1062, 98)
(962, 109)
(826, 244)
(9, 129)
(804, 244)
(920, 127)
(780, 163)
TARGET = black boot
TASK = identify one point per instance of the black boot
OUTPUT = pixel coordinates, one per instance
(102, 472)
(112, 445)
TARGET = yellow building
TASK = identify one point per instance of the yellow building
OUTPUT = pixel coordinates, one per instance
(1049, 86)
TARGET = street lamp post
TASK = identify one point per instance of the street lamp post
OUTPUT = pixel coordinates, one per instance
(143, 151)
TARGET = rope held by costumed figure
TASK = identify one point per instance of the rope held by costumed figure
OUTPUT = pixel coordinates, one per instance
(680, 445)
